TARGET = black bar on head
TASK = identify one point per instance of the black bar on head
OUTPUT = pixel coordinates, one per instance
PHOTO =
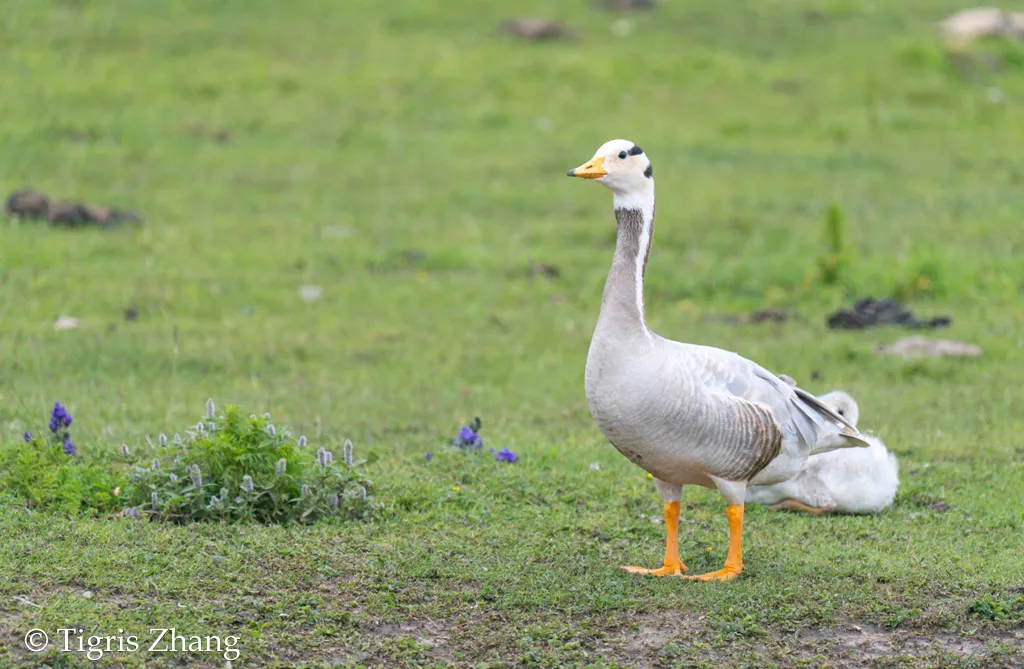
(635, 151)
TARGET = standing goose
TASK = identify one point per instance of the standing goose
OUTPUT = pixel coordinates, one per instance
(849, 480)
(688, 414)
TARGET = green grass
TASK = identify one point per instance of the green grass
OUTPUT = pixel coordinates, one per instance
(411, 162)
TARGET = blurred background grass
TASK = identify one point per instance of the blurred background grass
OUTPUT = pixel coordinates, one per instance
(410, 160)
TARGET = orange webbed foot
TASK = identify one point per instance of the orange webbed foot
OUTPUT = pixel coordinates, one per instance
(726, 574)
(674, 569)
(794, 505)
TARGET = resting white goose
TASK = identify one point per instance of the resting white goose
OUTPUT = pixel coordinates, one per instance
(688, 414)
(850, 480)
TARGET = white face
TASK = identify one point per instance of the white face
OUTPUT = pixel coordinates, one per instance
(620, 165)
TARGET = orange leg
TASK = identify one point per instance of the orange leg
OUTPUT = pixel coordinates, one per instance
(734, 558)
(673, 565)
(794, 505)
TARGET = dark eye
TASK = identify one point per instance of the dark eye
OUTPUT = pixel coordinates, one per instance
(622, 155)
(841, 412)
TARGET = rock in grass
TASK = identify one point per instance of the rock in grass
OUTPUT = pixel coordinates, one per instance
(76, 214)
(624, 5)
(69, 214)
(310, 293)
(923, 347)
(65, 323)
(869, 312)
(535, 29)
(28, 204)
(968, 25)
(32, 205)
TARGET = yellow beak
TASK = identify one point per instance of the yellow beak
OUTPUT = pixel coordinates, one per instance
(592, 169)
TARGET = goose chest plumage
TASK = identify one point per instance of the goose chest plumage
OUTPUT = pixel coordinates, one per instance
(686, 413)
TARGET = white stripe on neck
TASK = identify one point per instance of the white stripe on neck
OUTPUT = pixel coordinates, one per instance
(644, 201)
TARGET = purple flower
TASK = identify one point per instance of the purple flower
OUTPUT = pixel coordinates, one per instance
(302, 441)
(69, 447)
(162, 439)
(28, 437)
(174, 477)
(506, 455)
(247, 483)
(334, 500)
(304, 491)
(59, 417)
(210, 409)
(469, 436)
(154, 498)
(347, 452)
(282, 466)
(429, 456)
(271, 430)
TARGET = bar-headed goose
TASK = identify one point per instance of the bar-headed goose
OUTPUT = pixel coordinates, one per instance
(688, 414)
(849, 480)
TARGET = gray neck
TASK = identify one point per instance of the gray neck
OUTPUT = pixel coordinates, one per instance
(622, 306)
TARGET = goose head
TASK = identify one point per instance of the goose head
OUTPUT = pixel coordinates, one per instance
(842, 404)
(621, 166)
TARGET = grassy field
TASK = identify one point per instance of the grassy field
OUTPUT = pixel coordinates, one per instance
(411, 162)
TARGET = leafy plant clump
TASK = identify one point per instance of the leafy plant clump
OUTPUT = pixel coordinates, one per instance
(228, 467)
(48, 473)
